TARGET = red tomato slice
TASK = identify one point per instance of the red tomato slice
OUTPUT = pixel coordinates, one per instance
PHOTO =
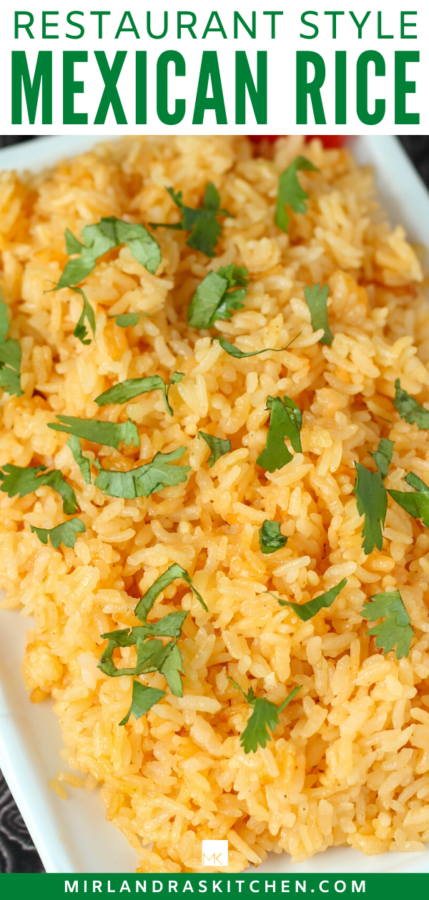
(328, 140)
(263, 137)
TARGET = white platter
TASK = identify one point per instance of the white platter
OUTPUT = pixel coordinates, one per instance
(74, 836)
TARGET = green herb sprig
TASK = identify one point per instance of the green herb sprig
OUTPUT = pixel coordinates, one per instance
(416, 504)
(10, 356)
(316, 299)
(123, 320)
(285, 422)
(232, 350)
(264, 718)
(65, 533)
(202, 222)
(270, 537)
(409, 409)
(143, 480)
(214, 298)
(109, 434)
(306, 611)
(22, 480)
(371, 496)
(82, 461)
(218, 447)
(290, 193)
(396, 629)
(134, 387)
(152, 654)
(98, 239)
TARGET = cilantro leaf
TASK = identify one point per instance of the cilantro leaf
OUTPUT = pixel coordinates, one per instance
(265, 715)
(10, 356)
(152, 654)
(149, 653)
(270, 538)
(383, 456)
(142, 701)
(416, 504)
(170, 667)
(87, 314)
(396, 628)
(213, 299)
(290, 192)
(98, 239)
(57, 482)
(371, 501)
(306, 611)
(109, 434)
(61, 534)
(202, 223)
(285, 421)
(217, 446)
(21, 480)
(4, 320)
(239, 354)
(144, 480)
(161, 583)
(169, 626)
(409, 409)
(316, 299)
(125, 319)
(82, 461)
(133, 387)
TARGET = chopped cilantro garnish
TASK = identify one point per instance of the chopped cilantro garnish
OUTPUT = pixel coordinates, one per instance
(87, 314)
(61, 534)
(110, 434)
(21, 480)
(10, 356)
(144, 480)
(383, 456)
(285, 422)
(152, 654)
(82, 461)
(416, 504)
(217, 446)
(214, 299)
(98, 239)
(265, 715)
(396, 629)
(290, 192)
(270, 538)
(306, 611)
(202, 223)
(143, 699)
(239, 354)
(409, 409)
(161, 583)
(125, 319)
(127, 390)
(371, 501)
(317, 299)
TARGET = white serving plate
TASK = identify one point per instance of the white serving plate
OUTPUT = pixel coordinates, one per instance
(73, 836)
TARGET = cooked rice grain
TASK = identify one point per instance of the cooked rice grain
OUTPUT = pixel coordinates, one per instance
(349, 762)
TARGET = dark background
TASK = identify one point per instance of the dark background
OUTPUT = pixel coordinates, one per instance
(17, 853)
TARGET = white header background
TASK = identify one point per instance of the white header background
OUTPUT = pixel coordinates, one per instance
(281, 61)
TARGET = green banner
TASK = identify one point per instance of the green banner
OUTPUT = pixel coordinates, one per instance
(52, 887)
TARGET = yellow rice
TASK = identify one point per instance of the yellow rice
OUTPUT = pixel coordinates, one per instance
(349, 762)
